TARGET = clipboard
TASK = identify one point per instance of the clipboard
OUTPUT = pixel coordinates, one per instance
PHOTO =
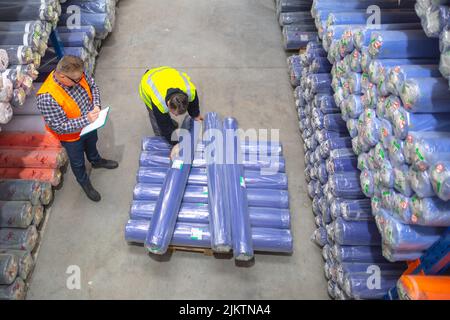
(97, 124)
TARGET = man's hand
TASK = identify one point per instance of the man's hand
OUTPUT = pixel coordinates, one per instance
(199, 118)
(175, 151)
(93, 115)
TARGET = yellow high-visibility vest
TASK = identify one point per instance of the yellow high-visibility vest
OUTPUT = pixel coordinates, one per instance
(155, 83)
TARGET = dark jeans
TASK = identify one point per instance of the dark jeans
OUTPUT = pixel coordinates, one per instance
(76, 150)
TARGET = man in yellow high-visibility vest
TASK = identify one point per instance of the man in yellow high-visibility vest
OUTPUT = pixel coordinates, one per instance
(166, 91)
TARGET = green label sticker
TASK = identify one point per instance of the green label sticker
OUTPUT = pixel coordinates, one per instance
(177, 164)
(419, 154)
(366, 188)
(242, 182)
(396, 145)
(196, 234)
(438, 186)
(381, 153)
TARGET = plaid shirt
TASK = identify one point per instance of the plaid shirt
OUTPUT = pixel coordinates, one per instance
(54, 115)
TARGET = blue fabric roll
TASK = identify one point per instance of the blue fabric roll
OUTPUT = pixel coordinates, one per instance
(425, 95)
(398, 74)
(404, 121)
(356, 285)
(153, 159)
(219, 213)
(366, 254)
(404, 237)
(198, 213)
(332, 144)
(346, 185)
(199, 194)
(440, 179)
(402, 44)
(235, 194)
(430, 212)
(198, 235)
(171, 195)
(356, 210)
(357, 233)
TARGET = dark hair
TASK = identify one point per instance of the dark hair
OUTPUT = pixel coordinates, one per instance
(179, 102)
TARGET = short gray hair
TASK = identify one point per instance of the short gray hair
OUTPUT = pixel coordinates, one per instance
(69, 64)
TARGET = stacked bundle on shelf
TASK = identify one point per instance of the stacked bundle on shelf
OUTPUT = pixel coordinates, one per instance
(31, 156)
(207, 216)
(82, 35)
(25, 27)
(345, 227)
(21, 214)
(386, 83)
(435, 18)
(295, 19)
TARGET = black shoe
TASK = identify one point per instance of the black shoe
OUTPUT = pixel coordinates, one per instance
(108, 164)
(91, 192)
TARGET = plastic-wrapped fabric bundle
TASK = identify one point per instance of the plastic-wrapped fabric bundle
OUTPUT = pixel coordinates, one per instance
(14, 291)
(324, 134)
(289, 18)
(352, 5)
(148, 159)
(404, 121)
(361, 16)
(9, 267)
(6, 112)
(18, 239)
(193, 194)
(430, 212)
(198, 176)
(18, 54)
(319, 236)
(421, 183)
(22, 39)
(356, 210)
(293, 5)
(15, 214)
(99, 6)
(440, 179)
(356, 285)
(320, 83)
(399, 255)
(101, 22)
(15, 158)
(384, 268)
(346, 163)
(356, 233)
(198, 213)
(52, 176)
(435, 19)
(322, 172)
(429, 150)
(405, 237)
(320, 65)
(294, 40)
(315, 206)
(330, 270)
(368, 254)
(398, 74)
(352, 127)
(362, 34)
(6, 90)
(425, 95)
(333, 122)
(171, 195)
(236, 194)
(20, 190)
(395, 150)
(295, 69)
(353, 106)
(332, 144)
(367, 183)
(402, 180)
(326, 252)
(219, 220)
(76, 39)
(25, 261)
(89, 30)
(345, 185)
(402, 44)
(198, 235)
(319, 221)
(402, 207)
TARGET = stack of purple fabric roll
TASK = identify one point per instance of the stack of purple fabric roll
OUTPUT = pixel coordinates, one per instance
(253, 217)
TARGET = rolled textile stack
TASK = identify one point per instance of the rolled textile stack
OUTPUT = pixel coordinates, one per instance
(346, 229)
(25, 28)
(205, 218)
(435, 19)
(385, 82)
(295, 19)
(22, 211)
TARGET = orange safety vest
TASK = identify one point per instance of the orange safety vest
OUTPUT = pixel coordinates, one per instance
(69, 105)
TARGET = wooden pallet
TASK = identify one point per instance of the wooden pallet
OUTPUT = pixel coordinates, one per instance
(206, 251)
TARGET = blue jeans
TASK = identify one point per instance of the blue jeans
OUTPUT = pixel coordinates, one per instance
(76, 150)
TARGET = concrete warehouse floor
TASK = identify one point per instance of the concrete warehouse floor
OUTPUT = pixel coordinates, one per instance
(233, 52)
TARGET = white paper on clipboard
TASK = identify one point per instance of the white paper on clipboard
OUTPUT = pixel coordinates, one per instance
(97, 124)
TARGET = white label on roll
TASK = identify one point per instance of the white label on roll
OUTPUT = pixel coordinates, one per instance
(19, 54)
(304, 37)
(177, 164)
(196, 234)
(25, 39)
(27, 27)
